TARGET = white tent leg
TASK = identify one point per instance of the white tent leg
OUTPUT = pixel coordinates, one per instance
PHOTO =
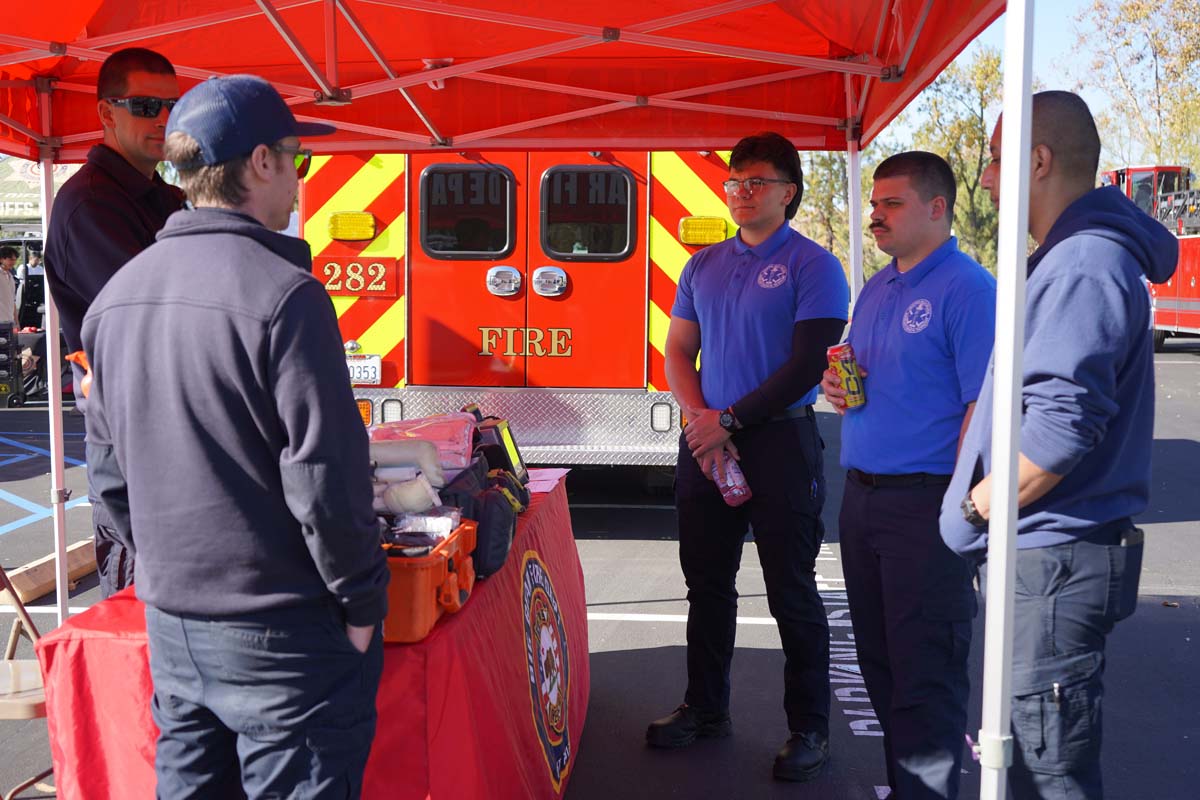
(855, 202)
(995, 737)
(58, 492)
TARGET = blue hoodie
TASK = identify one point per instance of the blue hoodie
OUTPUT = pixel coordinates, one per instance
(1088, 383)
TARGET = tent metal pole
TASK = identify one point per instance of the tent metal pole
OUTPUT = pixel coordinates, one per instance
(995, 736)
(855, 203)
(58, 492)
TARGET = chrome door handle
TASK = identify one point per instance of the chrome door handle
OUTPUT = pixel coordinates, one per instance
(549, 281)
(503, 281)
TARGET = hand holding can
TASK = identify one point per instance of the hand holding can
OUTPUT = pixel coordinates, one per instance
(843, 362)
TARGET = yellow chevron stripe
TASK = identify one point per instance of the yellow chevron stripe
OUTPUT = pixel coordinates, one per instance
(724, 155)
(666, 251)
(660, 321)
(693, 194)
(315, 166)
(356, 194)
(386, 333)
(342, 304)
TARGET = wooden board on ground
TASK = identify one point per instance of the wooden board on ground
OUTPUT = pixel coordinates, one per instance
(36, 579)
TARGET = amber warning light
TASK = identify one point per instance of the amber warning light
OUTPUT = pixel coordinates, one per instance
(702, 230)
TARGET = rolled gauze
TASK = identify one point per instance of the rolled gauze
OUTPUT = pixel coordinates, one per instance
(396, 474)
(410, 453)
(414, 496)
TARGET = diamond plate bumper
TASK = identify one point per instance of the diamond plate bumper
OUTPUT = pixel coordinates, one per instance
(556, 426)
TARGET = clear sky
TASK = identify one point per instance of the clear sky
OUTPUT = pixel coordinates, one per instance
(1055, 34)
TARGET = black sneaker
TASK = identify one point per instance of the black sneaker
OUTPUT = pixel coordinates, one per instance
(685, 724)
(802, 758)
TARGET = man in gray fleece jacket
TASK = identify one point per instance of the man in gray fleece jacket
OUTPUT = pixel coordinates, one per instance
(224, 439)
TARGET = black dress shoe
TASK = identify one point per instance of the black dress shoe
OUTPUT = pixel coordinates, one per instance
(684, 725)
(802, 758)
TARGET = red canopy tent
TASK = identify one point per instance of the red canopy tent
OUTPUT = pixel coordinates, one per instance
(415, 75)
(420, 75)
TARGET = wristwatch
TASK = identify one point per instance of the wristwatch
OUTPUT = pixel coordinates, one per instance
(971, 513)
(728, 421)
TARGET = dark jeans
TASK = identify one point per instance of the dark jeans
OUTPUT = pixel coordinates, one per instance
(911, 604)
(276, 704)
(782, 464)
(1068, 598)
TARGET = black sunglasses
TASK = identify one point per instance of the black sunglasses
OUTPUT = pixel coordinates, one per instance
(301, 157)
(148, 107)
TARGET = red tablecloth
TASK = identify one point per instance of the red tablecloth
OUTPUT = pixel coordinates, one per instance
(491, 704)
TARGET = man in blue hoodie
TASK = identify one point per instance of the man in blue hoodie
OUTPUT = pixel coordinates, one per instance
(224, 440)
(1086, 433)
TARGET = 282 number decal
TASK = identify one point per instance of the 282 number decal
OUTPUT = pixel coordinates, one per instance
(346, 277)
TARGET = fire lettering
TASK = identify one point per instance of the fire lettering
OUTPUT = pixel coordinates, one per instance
(549, 343)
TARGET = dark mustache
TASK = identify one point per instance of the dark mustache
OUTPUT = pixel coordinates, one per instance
(876, 227)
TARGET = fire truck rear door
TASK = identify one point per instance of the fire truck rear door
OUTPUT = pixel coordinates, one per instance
(587, 269)
(468, 279)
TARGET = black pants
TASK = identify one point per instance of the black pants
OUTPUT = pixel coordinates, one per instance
(911, 604)
(782, 464)
(114, 562)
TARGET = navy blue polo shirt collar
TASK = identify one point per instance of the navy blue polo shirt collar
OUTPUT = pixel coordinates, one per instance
(766, 248)
(121, 171)
(927, 265)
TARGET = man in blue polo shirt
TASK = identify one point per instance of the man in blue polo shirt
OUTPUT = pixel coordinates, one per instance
(760, 309)
(922, 331)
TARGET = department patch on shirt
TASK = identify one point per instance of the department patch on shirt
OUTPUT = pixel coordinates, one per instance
(917, 316)
(773, 276)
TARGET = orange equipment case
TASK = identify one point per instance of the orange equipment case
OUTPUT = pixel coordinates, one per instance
(424, 588)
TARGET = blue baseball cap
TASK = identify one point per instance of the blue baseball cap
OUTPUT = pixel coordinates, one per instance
(232, 115)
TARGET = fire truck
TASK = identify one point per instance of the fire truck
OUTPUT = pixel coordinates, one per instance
(537, 285)
(1168, 194)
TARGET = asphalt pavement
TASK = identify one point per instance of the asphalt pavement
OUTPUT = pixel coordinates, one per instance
(625, 529)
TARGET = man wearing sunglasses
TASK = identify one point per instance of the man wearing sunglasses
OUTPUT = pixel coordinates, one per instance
(107, 213)
(247, 493)
(759, 309)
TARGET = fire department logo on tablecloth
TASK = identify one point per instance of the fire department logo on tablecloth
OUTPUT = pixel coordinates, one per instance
(917, 316)
(547, 660)
(772, 276)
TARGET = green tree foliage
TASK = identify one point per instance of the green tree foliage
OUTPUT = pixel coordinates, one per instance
(1145, 56)
(957, 114)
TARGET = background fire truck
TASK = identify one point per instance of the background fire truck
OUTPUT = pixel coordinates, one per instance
(536, 284)
(1168, 194)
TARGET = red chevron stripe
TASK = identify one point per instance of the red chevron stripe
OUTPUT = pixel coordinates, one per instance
(658, 371)
(711, 169)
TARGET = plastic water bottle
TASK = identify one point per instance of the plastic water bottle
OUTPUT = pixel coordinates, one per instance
(732, 484)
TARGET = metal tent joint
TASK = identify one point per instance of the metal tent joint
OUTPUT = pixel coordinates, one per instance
(892, 74)
(610, 34)
(59, 496)
(995, 752)
(338, 97)
(57, 48)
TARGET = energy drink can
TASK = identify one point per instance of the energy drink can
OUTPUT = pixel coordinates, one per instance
(842, 361)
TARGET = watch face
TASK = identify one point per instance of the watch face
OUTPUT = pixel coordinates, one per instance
(725, 420)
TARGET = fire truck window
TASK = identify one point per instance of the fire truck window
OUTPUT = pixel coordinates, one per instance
(467, 212)
(588, 213)
(1167, 182)
(1143, 190)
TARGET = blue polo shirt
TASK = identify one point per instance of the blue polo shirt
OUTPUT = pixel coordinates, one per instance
(747, 300)
(925, 337)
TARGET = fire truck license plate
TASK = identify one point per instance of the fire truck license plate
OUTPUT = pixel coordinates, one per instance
(365, 370)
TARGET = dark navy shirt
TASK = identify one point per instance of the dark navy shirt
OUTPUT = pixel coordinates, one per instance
(748, 299)
(925, 337)
(107, 213)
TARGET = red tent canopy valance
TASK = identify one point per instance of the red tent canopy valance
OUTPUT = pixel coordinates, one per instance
(414, 75)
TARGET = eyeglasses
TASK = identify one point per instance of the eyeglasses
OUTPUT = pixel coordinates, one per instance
(751, 185)
(147, 107)
(302, 157)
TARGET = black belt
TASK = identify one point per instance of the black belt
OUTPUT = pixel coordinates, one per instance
(898, 481)
(795, 413)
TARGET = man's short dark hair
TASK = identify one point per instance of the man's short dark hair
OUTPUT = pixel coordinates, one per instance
(928, 173)
(8, 252)
(114, 73)
(204, 185)
(771, 148)
(1063, 122)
